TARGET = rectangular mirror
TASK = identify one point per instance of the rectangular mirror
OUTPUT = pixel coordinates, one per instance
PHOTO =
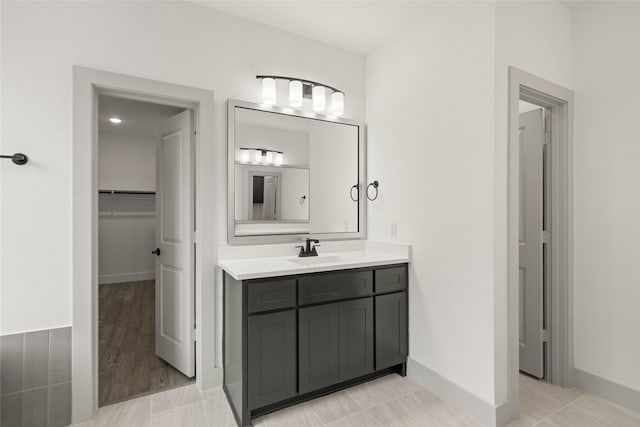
(293, 175)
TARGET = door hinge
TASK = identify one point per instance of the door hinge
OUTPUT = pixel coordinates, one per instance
(547, 137)
(193, 334)
(546, 236)
(546, 335)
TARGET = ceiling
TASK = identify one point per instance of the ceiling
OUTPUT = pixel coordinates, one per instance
(359, 26)
(138, 118)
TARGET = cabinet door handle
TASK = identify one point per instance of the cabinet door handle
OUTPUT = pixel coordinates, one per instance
(156, 252)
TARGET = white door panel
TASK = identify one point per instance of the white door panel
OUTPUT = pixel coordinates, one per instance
(530, 239)
(174, 266)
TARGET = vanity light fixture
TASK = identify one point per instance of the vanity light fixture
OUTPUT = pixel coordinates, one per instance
(269, 90)
(319, 98)
(261, 156)
(337, 103)
(115, 120)
(300, 89)
(295, 93)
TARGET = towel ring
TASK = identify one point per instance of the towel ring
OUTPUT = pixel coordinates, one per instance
(375, 185)
(357, 192)
(302, 199)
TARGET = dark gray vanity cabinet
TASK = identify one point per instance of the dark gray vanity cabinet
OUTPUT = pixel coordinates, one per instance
(356, 338)
(272, 358)
(391, 329)
(318, 335)
(290, 339)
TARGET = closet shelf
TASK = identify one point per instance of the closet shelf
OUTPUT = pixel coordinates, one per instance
(127, 214)
(125, 192)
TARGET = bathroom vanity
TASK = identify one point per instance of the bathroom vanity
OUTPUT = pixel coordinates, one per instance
(318, 326)
(298, 327)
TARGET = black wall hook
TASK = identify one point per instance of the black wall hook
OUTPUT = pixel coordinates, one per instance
(17, 158)
(375, 185)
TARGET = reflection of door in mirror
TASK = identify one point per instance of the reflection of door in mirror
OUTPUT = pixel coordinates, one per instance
(265, 200)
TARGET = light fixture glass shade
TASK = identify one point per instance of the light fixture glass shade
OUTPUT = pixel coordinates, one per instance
(279, 159)
(269, 157)
(319, 98)
(257, 156)
(337, 103)
(269, 90)
(295, 93)
(245, 155)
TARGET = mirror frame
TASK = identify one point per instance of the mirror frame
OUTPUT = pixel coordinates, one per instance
(232, 239)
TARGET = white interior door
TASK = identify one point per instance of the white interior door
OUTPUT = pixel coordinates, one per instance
(174, 229)
(531, 211)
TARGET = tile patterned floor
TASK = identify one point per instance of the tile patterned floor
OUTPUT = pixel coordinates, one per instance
(388, 401)
(546, 405)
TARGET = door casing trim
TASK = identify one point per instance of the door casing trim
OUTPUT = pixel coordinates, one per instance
(531, 88)
(87, 85)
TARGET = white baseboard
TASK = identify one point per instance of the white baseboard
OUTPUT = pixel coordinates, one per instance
(126, 277)
(485, 412)
(607, 389)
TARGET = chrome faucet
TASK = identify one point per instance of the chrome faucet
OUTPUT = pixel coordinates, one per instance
(309, 249)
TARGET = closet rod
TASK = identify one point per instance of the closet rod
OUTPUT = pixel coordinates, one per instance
(125, 192)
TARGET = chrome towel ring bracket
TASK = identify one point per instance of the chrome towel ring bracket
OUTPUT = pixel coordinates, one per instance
(357, 188)
(17, 158)
(375, 185)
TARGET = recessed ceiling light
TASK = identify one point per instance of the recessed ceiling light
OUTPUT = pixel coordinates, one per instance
(115, 120)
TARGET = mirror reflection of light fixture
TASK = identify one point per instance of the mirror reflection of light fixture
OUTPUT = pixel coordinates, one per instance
(245, 155)
(269, 90)
(261, 156)
(300, 89)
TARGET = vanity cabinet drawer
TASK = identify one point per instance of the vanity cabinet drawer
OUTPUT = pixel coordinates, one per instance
(330, 287)
(272, 295)
(391, 279)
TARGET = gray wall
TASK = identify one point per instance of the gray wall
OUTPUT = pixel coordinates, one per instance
(35, 372)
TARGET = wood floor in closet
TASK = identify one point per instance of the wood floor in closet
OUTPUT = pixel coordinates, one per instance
(128, 365)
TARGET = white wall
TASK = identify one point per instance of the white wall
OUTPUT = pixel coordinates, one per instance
(178, 42)
(606, 65)
(126, 162)
(535, 37)
(437, 134)
(430, 93)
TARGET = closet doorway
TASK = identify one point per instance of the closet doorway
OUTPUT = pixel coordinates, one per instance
(145, 254)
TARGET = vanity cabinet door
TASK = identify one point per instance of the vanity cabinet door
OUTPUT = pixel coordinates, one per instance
(272, 358)
(318, 337)
(391, 329)
(356, 338)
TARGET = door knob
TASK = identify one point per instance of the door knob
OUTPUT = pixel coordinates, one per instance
(156, 252)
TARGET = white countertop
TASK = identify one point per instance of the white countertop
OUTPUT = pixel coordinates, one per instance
(337, 257)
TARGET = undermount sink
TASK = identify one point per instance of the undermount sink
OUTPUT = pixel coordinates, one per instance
(318, 260)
